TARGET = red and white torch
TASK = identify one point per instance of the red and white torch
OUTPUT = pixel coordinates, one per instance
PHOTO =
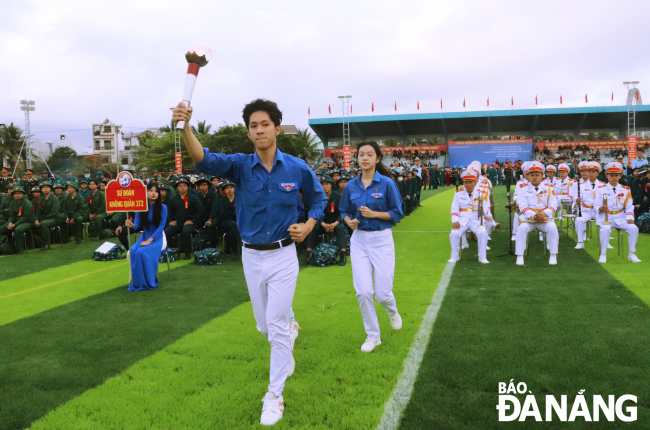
(196, 59)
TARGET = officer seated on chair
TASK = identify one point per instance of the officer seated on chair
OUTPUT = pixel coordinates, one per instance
(331, 221)
(537, 203)
(615, 210)
(465, 216)
(20, 219)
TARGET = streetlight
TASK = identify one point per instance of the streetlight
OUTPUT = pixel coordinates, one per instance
(28, 106)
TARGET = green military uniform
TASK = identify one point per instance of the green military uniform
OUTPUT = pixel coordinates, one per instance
(22, 217)
(68, 178)
(433, 178)
(96, 205)
(74, 209)
(48, 215)
(4, 206)
(492, 174)
(45, 177)
(182, 210)
(84, 193)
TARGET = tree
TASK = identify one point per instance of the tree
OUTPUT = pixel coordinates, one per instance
(201, 128)
(302, 145)
(12, 141)
(63, 157)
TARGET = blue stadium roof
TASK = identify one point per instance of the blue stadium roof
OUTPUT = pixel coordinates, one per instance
(522, 122)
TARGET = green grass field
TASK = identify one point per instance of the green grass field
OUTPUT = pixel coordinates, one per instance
(81, 352)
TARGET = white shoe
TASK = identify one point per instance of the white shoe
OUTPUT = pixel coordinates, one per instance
(292, 365)
(483, 261)
(370, 344)
(579, 245)
(293, 331)
(513, 237)
(488, 248)
(465, 246)
(272, 409)
(520, 260)
(553, 260)
(396, 322)
(541, 237)
(452, 260)
(609, 246)
(603, 259)
(633, 258)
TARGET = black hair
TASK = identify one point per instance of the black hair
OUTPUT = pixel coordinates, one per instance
(265, 106)
(157, 209)
(93, 180)
(383, 170)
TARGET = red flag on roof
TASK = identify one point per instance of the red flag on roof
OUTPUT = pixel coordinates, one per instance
(612, 95)
(373, 106)
(396, 106)
(560, 98)
(637, 95)
(463, 102)
(350, 108)
(488, 102)
(329, 109)
(535, 99)
(586, 98)
(309, 110)
(418, 104)
(440, 103)
(512, 101)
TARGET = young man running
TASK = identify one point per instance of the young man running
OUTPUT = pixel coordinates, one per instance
(269, 184)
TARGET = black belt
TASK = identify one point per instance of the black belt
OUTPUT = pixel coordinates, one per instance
(269, 246)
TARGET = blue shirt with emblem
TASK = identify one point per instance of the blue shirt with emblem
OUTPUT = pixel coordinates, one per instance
(380, 196)
(266, 202)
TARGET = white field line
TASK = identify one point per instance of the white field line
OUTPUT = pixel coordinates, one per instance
(404, 388)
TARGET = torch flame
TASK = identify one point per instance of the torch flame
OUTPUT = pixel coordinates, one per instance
(201, 55)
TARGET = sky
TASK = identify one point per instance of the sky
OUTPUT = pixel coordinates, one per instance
(83, 62)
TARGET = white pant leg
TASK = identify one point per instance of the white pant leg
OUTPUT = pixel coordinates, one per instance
(632, 231)
(454, 239)
(515, 223)
(581, 223)
(605, 231)
(463, 238)
(271, 278)
(382, 257)
(362, 280)
(552, 235)
(482, 238)
(522, 234)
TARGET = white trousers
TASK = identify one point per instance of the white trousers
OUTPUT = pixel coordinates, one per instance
(581, 223)
(631, 230)
(552, 236)
(373, 253)
(455, 237)
(271, 279)
(515, 223)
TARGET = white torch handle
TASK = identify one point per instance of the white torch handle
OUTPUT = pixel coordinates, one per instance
(190, 81)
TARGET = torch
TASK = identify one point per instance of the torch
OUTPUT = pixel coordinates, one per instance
(196, 59)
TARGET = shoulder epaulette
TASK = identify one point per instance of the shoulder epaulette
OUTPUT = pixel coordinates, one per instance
(460, 189)
(602, 185)
(625, 187)
(523, 185)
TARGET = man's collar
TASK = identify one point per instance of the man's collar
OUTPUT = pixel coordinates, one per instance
(279, 156)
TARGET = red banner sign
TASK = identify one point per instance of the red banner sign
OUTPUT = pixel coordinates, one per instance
(346, 157)
(592, 144)
(631, 149)
(126, 194)
(389, 149)
(179, 162)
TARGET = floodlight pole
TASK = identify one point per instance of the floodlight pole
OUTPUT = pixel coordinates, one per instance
(28, 106)
(631, 106)
(345, 102)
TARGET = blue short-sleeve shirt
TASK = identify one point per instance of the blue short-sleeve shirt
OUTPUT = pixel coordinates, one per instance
(266, 202)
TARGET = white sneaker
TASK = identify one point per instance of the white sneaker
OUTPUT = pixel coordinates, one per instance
(292, 365)
(579, 245)
(272, 409)
(633, 258)
(488, 248)
(553, 260)
(483, 261)
(396, 322)
(520, 260)
(609, 246)
(370, 344)
(603, 259)
(293, 331)
(452, 260)
(541, 237)
(465, 246)
(513, 237)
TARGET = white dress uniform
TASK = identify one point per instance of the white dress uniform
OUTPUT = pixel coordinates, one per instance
(520, 185)
(621, 209)
(465, 211)
(588, 191)
(532, 200)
